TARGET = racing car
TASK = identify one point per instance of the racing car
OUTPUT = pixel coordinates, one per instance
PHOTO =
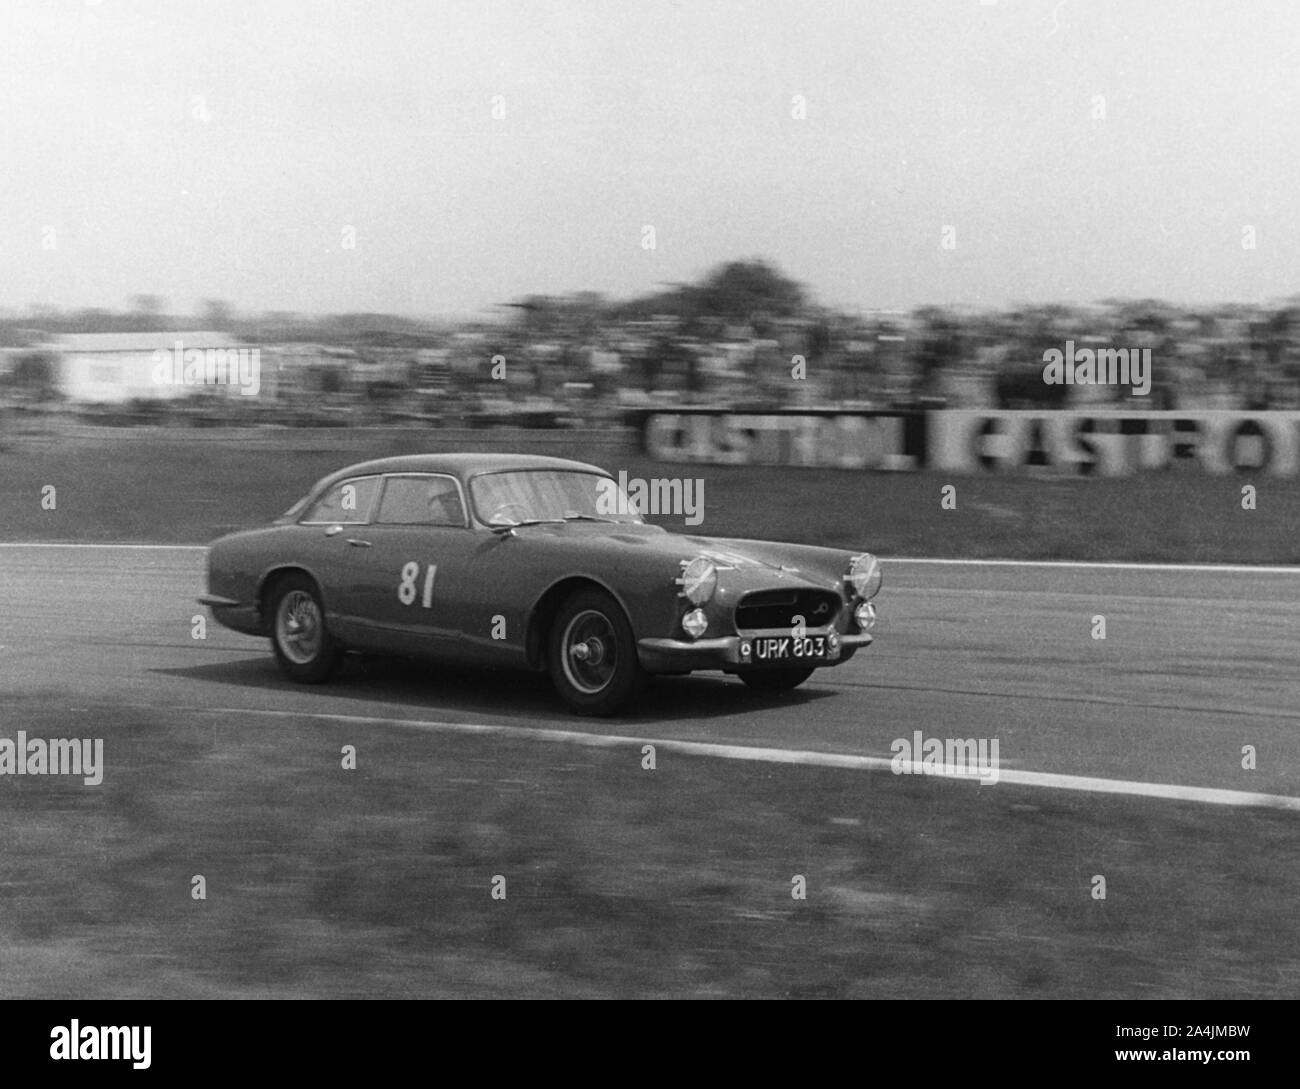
(533, 563)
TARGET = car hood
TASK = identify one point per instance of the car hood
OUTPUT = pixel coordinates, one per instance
(747, 564)
(655, 539)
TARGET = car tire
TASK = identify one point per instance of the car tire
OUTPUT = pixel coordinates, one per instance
(303, 646)
(776, 680)
(592, 657)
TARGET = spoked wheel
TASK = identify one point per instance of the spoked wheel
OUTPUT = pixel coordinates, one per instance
(593, 659)
(775, 680)
(303, 646)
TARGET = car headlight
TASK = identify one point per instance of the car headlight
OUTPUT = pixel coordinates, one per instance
(865, 615)
(865, 576)
(699, 580)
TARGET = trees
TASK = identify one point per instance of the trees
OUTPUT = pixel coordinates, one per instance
(35, 374)
(736, 293)
(147, 314)
(747, 291)
(218, 315)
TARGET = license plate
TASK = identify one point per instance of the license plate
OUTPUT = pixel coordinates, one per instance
(789, 648)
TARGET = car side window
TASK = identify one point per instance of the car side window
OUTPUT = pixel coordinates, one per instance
(428, 500)
(348, 502)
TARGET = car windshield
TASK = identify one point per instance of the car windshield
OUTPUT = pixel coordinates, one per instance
(549, 495)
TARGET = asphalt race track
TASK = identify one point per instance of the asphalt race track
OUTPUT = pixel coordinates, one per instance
(1196, 664)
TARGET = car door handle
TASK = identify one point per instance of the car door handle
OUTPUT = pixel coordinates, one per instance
(355, 543)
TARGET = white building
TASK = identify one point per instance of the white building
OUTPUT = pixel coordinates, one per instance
(117, 367)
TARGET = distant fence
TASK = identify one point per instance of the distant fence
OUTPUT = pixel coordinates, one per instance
(1081, 443)
(887, 439)
(1116, 443)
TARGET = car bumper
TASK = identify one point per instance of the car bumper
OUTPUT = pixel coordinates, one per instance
(731, 652)
(233, 614)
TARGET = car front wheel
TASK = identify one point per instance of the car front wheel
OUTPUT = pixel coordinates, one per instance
(593, 659)
(776, 680)
(303, 646)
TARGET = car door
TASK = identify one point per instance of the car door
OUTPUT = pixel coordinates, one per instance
(327, 532)
(407, 567)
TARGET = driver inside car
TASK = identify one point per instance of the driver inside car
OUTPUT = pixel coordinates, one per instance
(444, 504)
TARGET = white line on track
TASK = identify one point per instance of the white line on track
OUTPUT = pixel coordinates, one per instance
(1223, 568)
(1047, 780)
(75, 544)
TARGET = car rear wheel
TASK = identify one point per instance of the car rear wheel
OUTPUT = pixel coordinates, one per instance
(776, 680)
(303, 646)
(593, 659)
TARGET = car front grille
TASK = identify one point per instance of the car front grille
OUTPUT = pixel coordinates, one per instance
(778, 608)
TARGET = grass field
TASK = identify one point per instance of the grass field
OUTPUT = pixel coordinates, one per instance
(138, 486)
(620, 881)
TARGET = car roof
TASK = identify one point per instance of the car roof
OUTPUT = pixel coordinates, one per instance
(462, 465)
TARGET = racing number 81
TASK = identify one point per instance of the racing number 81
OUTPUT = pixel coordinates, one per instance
(406, 588)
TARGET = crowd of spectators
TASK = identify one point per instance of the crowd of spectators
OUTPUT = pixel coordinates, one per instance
(1234, 358)
(561, 363)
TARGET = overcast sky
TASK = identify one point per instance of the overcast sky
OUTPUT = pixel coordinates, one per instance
(221, 149)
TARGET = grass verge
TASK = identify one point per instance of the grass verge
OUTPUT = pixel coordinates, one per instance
(620, 881)
(141, 487)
